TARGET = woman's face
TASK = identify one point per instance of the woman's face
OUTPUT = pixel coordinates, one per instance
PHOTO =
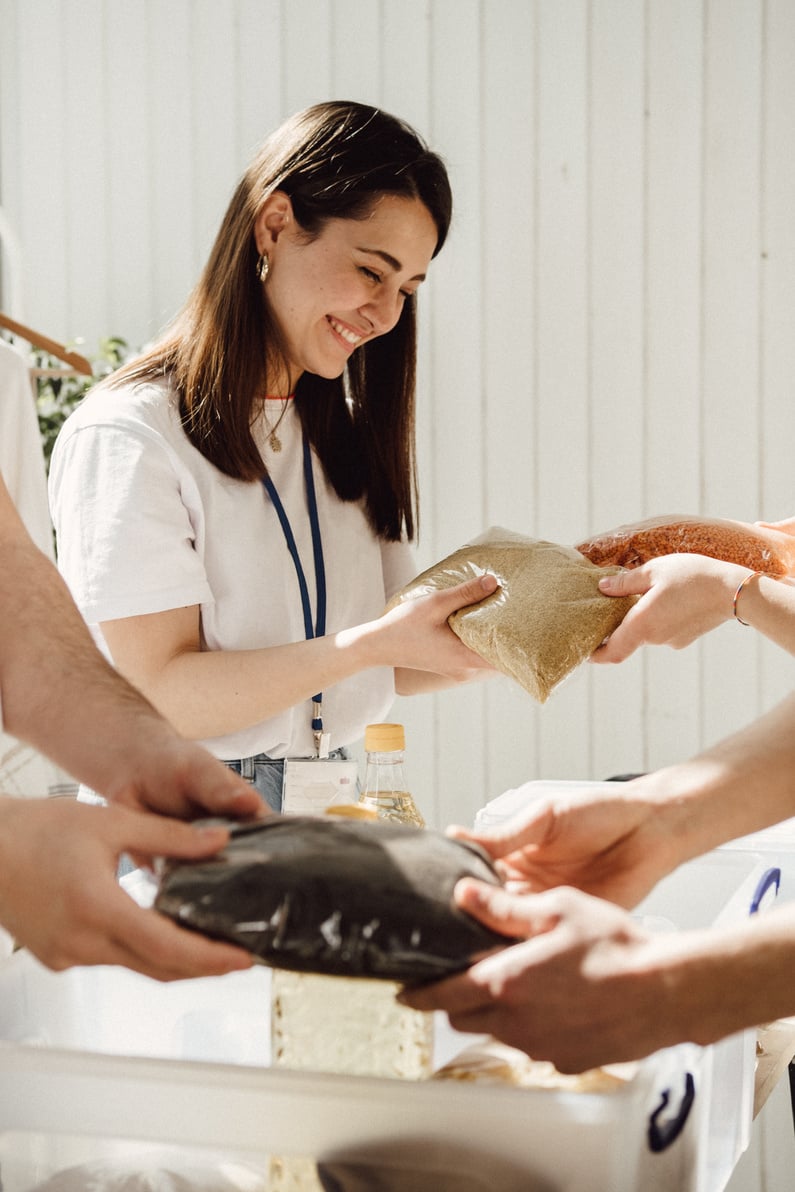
(345, 287)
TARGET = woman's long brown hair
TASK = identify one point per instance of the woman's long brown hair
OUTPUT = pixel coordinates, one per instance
(334, 160)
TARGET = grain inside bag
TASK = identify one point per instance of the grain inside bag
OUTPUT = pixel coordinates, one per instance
(760, 547)
(546, 617)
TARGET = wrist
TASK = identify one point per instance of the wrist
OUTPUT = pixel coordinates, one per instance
(362, 646)
(689, 973)
(744, 586)
(728, 979)
(681, 814)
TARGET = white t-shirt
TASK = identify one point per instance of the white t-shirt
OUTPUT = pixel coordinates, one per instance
(145, 523)
(23, 770)
(21, 454)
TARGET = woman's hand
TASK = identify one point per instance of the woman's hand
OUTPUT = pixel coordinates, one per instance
(607, 842)
(785, 527)
(59, 896)
(415, 634)
(682, 597)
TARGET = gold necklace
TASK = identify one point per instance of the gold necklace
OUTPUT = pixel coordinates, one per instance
(274, 442)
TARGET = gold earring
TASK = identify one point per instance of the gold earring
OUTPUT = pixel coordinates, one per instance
(263, 267)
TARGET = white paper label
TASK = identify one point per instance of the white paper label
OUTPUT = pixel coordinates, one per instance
(313, 784)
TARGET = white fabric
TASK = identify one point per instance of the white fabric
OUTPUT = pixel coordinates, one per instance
(23, 771)
(21, 455)
(145, 523)
(169, 1170)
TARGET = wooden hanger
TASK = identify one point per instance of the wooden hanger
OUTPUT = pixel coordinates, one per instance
(76, 362)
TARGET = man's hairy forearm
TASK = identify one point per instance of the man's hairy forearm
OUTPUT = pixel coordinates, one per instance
(58, 692)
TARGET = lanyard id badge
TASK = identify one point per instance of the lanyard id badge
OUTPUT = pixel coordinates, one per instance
(311, 785)
(322, 739)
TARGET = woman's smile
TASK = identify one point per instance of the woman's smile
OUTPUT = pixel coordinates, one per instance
(347, 285)
(350, 338)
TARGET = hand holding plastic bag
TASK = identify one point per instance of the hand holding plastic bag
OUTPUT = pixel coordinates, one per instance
(336, 896)
(547, 615)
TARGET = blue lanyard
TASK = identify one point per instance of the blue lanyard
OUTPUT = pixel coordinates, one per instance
(319, 627)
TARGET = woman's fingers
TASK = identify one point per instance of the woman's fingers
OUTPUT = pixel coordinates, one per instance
(471, 591)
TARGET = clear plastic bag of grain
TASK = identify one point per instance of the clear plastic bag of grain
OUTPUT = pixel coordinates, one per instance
(490, 1062)
(756, 546)
(546, 617)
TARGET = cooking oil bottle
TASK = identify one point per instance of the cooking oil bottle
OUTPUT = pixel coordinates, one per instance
(349, 1025)
(354, 1025)
(384, 789)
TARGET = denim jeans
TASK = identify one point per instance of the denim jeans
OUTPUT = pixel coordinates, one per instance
(266, 775)
(86, 795)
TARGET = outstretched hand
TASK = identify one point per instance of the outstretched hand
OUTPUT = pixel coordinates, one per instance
(580, 990)
(682, 597)
(787, 526)
(606, 842)
(59, 896)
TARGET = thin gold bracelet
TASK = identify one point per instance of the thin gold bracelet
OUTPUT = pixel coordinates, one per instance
(751, 575)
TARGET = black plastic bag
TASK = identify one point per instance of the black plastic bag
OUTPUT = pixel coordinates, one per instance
(338, 896)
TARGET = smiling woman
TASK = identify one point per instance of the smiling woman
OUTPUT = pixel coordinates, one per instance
(343, 288)
(235, 562)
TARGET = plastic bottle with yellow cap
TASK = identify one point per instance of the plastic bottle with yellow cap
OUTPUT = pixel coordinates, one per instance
(354, 1025)
(385, 791)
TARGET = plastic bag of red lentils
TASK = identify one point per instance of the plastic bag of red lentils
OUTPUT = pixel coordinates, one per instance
(758, 547)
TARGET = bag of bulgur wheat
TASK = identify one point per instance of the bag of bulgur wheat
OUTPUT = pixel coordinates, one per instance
(760, 548)
(546, 617)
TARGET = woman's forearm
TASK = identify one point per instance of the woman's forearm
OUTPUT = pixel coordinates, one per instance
(216, 692)
(422, 682)
(210, 693)
(741, 785)
(768, 605)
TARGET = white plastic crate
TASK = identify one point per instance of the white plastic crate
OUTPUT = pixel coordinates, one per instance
(696, 896)
(97, 1059)
(770, 1161)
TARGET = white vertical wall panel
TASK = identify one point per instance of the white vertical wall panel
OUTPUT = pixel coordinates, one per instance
(212, 48)
(777, 299)
(84, 183)
(606, 336)
(730, 381)
(354, 73)
(258, 81)
(405, 61)
(672, 337)
(128, 220)
(455, 508)
(508, 192)
(43, 162)
(175, 245)
(562, 449)
(777, 270)
(615, 336)
(307, 40)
